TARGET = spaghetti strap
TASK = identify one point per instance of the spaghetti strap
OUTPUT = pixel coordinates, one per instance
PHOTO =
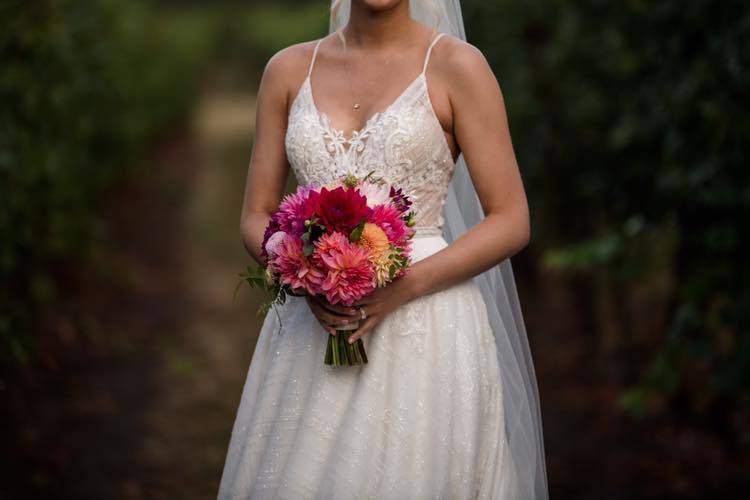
(429, 50)
(312, 59)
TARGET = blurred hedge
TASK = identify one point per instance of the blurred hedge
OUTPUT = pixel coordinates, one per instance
(630, 121)
(84, 85)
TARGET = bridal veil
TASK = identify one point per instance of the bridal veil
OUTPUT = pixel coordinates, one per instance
(526, 469)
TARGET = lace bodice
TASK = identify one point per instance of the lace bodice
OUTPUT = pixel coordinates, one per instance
(404, 143)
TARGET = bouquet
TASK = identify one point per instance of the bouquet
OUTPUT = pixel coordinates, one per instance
(340, 241)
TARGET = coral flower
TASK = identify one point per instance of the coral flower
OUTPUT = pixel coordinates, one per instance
(294, 268)
(339, 209)
(348, 273)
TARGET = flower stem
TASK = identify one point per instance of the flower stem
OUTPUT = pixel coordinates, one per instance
(339, 352)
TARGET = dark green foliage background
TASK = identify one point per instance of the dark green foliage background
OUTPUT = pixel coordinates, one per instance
(631, 126)
(84, 86)
(629, 119)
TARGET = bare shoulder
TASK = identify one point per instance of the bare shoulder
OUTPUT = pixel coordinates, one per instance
(460, 64)
(287, 66)
(290, 62)
(456, 52)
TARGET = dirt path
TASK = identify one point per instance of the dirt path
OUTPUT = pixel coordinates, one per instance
(134, 397)
(203, 365)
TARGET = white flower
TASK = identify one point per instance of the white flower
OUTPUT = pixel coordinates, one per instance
(376, 194)
(273, 242)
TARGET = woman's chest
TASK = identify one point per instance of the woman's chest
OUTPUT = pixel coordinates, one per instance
(405, 144)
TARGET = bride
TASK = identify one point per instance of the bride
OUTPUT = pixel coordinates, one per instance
(447, 405)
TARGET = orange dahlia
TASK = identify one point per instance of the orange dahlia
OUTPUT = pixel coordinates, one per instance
(376, 241)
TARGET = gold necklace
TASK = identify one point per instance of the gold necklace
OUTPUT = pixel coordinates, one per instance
(349, 77)
(356, 104)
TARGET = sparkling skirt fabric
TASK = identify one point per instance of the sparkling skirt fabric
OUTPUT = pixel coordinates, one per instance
(423, 419)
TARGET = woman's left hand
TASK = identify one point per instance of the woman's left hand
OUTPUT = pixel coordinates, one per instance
(381, 302)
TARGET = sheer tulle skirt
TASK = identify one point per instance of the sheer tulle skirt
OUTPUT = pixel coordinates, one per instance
(423, 419)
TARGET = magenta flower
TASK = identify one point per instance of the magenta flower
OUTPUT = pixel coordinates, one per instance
(346, 267)
(388, 218)
(400, 200)
(291, 214)
(294, 269)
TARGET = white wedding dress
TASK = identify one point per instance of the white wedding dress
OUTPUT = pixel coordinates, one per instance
(424, 418)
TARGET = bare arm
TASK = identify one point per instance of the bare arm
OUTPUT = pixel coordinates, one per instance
(480, 129)
(268, 166)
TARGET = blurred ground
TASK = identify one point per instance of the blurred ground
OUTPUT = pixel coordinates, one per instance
(142, 407)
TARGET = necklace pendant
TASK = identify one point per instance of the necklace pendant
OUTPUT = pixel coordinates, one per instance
(356, 105)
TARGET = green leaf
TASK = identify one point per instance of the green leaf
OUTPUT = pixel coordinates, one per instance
(392, 271)
(357, 231)
(255, 277)
(265, 307)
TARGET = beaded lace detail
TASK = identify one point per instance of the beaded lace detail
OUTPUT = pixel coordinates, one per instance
(424, 418)
(404, 143)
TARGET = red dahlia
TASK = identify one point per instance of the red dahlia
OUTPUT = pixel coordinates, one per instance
(339, 209)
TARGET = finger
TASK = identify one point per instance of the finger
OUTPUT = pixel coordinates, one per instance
(336, 308)
(371, 309)
(322, 315)
(363, 329)
(328, 317)
(340, 308)
(327, 328)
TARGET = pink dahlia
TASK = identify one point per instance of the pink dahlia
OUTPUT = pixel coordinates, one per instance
(339, 209)
(294, 268)
(291, 214)
(388, 218)
(348, 273)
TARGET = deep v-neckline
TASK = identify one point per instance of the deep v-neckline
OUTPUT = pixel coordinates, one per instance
(357, 132)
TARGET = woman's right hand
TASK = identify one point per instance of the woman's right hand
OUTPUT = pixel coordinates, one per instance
(331, 315)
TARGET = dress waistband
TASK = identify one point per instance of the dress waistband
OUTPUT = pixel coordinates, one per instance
(426, 231)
